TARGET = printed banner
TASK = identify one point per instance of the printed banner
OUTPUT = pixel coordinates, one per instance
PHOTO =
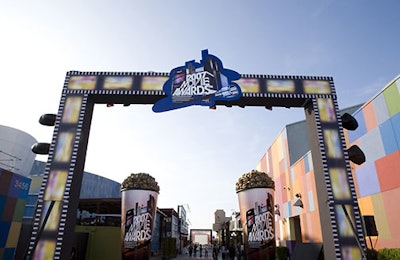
(199, 84)
(138, 211)
(257, 215)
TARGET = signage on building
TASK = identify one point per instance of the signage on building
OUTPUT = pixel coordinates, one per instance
(199, 84)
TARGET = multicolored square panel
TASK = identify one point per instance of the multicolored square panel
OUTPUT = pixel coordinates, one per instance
(378, 179)
(13, 194)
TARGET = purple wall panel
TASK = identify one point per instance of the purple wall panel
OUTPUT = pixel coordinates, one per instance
(367, 179)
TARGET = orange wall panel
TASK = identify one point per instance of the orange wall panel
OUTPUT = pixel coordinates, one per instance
(365, 205)
(387, 170)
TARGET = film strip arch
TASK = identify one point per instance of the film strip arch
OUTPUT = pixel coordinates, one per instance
(59, 194)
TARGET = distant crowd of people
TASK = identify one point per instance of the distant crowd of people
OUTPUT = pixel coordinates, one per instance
(198, 250)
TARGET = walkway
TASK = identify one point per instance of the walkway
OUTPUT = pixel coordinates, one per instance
(186, 257)
(183, 257)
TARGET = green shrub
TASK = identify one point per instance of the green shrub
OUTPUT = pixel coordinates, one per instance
(281, 253)
(372, 254)
(389, 254)
(169, 247)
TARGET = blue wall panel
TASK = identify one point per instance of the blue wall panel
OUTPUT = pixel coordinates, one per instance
(396, 128)
(361, 130)
(8, 254)
(388, 137)
(311, 201)
(5, 228)
(287, 209)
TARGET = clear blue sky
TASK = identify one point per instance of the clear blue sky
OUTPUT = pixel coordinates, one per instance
(195, 154)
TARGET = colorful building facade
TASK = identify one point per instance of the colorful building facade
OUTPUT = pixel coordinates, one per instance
(377, 181)
(288, 161)
(13, 194)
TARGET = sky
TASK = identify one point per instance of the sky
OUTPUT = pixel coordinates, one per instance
(195, 154)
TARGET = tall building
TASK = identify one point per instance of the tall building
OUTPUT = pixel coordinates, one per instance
(15, 150)
(93, 186)
(288, 162)
(95, 192)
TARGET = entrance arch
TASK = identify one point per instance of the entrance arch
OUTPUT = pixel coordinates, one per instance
(59, 193)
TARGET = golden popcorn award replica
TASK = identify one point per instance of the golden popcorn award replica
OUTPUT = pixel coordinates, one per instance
(256, 203)
(138, 209)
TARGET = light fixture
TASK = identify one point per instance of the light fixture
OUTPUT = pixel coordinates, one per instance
(44, 148)
(356, 155)
(41, 148)
(277, 212)
(298, 202)
(48, 119)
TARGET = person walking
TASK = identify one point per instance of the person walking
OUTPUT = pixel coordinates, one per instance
(215, 252)
(190, 250)
(232, 252)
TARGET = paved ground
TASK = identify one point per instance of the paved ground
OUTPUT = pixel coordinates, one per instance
(186, 257)
(183, 257)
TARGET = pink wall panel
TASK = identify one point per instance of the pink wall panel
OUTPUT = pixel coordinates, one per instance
(370, 117)
(263, 164)
(392, 208)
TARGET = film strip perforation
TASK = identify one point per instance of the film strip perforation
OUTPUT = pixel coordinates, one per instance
(326, 176)
(65, 205)
(356, 212)
(40, 201)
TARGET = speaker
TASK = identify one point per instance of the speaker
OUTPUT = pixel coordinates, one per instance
(370, 226)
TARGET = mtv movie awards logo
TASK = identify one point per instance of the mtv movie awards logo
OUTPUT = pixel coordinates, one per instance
(263, 229)
(139, 230)
(199, 84)
(260, 224)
